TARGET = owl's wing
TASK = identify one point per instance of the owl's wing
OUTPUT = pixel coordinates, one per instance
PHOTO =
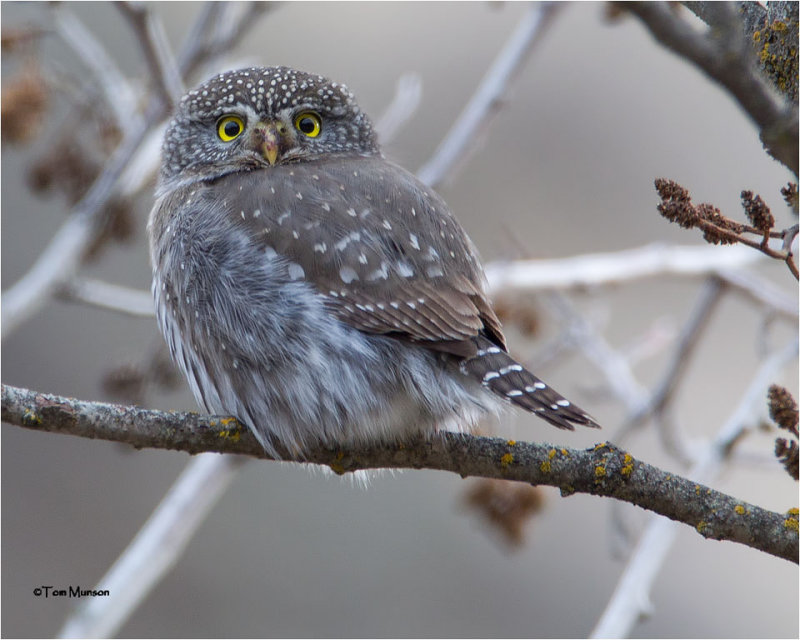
(383, 249)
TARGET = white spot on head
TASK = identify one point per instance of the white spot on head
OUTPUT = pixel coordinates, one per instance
(563, 403)
(320, 247)
(514, 393)
(434, 271)
(352, 212)
(414, 241)
(269, 252)
(256, 213)
(540, 385)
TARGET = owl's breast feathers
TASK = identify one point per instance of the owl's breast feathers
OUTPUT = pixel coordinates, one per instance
(381, 248)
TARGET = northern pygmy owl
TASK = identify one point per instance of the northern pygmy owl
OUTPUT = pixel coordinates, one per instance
(313, 289)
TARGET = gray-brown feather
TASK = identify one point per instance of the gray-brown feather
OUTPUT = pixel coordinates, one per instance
(331, 297)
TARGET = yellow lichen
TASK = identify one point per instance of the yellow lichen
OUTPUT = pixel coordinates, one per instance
(231, 434)
(791, 523)
(511, 443)
(564, 452)
(599, 471)
(506, 460)
(601, 445)
(627, 470)
(739, 509)
(794, 511)
(31, 417)
(544, 467)
(697, 489)
(701, 526)
(551, 454)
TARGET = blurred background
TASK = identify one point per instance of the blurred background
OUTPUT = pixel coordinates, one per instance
(567, 168)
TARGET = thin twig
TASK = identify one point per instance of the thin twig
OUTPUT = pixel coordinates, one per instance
(614, 366)
(60, 259)
(761, 291)
(155, 549)
(630, 600)
(728, 61)
(407, 95)
(231, 28)
(665, 389)
(488, 97)
(109, 79)
(152, 40)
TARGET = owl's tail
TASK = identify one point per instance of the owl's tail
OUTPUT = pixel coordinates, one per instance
(504, 376)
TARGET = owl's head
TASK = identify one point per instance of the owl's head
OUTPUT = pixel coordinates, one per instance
(259, 117)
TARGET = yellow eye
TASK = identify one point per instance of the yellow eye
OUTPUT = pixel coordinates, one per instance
(229, 128)
(308, 123)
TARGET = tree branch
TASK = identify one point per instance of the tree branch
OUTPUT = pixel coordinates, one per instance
(724, 57)
(487, 99)
(603, 470)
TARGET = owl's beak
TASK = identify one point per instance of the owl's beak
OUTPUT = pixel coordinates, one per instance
(267, 140)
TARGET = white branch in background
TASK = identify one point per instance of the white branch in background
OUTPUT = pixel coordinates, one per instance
(609, 361)
(114, 297)
(593, 270)
(153, 42)
(144, 165)
(59, 261)
(156, 548)
(487, 98)
(118, 92)
(631, 599)
(590, 270)
(407, 96)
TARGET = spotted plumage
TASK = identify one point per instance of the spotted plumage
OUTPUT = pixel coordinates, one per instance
(313, 289)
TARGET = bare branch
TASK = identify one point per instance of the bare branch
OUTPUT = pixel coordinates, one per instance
(232, 21)
(487, 99)
(408, 93)
(630, 600)
(664, 391)
(602, 470)
(108, 78)
(105, 295)
(155, 549)
(150, 33)
(615, 366)
(590, 270)
(60, 260)
(727, 60)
